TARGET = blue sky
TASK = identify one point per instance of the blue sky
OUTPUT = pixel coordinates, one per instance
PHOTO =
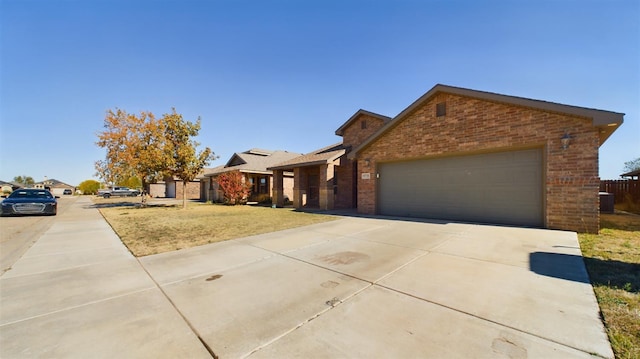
(285, 74)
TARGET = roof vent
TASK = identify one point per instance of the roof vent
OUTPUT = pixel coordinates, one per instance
(441, 109)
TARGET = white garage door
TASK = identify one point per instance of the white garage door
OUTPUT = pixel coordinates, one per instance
(502, 188)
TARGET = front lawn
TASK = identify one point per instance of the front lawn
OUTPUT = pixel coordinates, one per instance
(162, 228)
(613, 262)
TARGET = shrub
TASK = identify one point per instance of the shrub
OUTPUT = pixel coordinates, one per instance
(234, 187)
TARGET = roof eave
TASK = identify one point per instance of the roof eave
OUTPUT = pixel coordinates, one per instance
(309, 163)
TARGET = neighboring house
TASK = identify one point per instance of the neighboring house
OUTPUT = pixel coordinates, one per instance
(464, 155)
(8, 187)
(253, 165)
(631, 175)
(54, 186)
(171, 187)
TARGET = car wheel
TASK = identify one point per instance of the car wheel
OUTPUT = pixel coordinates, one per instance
(106, 195)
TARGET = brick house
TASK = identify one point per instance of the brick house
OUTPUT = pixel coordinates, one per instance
(253, 165)
(326, 178)
(171, 187)
(467, 155)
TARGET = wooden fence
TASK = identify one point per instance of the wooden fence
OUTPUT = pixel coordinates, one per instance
(621, 189)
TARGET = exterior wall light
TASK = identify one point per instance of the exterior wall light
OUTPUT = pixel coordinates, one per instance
(565, 140)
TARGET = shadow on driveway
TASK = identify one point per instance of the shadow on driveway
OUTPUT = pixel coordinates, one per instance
(610, 273)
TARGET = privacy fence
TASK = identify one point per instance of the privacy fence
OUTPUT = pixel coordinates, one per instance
(623, 190)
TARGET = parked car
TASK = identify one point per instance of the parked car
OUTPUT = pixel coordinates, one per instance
(67, 191)
(30, 201)
(118, 191)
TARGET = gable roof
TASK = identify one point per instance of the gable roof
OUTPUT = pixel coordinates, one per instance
(53, 182)
(318, 157)
(252, 161)
(360, 112)
(5, 183)
(607, 121)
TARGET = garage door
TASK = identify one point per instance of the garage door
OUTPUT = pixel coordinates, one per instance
(502, 188)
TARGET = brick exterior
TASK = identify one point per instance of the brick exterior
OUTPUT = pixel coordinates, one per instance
(193, 189)
(353, 136)
(473, 126)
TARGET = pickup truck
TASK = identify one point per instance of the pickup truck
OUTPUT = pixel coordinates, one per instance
(118, 192)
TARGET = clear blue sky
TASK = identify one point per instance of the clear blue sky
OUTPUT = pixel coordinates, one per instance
(286, 74)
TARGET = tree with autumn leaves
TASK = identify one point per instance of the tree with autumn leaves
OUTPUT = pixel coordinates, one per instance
(234, 187)
(150, 148)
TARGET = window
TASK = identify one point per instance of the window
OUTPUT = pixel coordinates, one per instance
(263, 186)
(441, 109)
(363, 124)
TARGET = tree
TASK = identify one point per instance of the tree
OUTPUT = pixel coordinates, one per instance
(24, 180)
(131, 182)
(136, 147)
(89, 186)
(185, 162)
(632, 165)
(234, 187)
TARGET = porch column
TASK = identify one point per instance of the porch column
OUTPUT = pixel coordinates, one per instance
(326, 186)
(299, 187)
(278, 188)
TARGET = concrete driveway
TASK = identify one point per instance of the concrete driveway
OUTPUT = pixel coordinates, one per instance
(355, 287)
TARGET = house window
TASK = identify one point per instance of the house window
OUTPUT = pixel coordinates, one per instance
(263, 186)
(363, 124)
(441, 109)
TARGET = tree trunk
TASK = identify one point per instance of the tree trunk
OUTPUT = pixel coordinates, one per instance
(184, 194)
(143, 193)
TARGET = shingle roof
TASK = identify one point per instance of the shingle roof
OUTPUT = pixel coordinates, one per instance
(340, 130)
(607, 121)
(53, 182)
(321, 156)
(252, 161)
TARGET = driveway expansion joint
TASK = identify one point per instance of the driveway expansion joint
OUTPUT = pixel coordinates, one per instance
(184, 318)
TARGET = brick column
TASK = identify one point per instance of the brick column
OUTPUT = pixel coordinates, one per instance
(278, 188)
(326, 186)
(299, 187)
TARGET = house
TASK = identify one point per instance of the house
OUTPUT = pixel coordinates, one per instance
(54, 186)
(631, 175)
(326, 178)
(253, 165)
(464, 155)
(8, 187)
(171, 187)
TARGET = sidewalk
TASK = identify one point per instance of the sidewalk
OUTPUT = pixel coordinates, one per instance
(78, 292)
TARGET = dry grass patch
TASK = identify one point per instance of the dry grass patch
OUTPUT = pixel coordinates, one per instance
(613, 261)
(162, 228)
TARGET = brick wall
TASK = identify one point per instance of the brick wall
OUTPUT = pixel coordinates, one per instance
(355, 134)
(193, 190)
(472, 125)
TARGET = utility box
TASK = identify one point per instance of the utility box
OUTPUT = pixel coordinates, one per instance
(606, 202)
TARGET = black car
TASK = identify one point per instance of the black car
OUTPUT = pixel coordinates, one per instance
(30, 201)
(67, 191)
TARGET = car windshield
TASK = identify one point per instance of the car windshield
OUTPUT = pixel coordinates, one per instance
(30, 194)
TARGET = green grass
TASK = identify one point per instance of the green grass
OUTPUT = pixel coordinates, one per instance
(613, 261)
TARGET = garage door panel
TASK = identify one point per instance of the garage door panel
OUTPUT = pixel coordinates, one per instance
(504, 187)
